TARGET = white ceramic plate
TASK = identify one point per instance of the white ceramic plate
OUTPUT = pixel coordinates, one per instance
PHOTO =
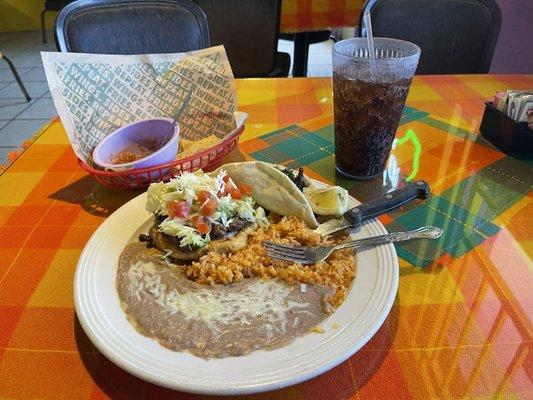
(97, 306)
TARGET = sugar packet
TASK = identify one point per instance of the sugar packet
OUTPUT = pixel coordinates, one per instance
(516, 104)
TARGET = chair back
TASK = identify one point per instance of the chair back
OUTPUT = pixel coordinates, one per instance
(456, 36)
(131, 27)
(56, 5)
(248, 30)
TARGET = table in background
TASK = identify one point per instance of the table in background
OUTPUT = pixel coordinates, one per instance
(303, 18)
(460, 325)
(317, 15)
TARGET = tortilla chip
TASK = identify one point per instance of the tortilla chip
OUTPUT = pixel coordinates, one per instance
(190, 147)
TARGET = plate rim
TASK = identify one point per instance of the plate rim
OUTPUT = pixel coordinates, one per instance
(288, 380)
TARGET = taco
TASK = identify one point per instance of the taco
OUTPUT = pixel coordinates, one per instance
(195, 213)
(272, 188)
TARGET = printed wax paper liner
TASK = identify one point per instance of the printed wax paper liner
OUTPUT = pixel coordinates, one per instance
(95, 94)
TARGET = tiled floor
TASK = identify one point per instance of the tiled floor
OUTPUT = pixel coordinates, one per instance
(19, 119)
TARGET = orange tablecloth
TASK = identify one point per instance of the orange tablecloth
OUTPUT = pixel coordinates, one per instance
(316, 15)
(460, 327)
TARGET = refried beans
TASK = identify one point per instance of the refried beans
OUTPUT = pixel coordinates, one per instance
(214, 321)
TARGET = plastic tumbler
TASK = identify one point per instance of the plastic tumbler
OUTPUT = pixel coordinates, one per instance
(369, 95)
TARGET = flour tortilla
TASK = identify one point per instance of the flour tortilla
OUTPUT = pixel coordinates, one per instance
(271, 189)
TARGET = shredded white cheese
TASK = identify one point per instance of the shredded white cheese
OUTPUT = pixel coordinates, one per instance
(268, 299)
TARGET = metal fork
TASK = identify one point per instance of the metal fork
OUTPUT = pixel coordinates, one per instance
(314, 254)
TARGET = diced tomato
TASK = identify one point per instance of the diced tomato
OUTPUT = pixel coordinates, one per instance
(200, 224)
(203, 195)
(245, 190)
(178, 209)
(230, 185)
(236, 194)
(208, 207)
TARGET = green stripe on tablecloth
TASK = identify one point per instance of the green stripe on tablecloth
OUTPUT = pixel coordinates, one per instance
(327, 132)
(493, 189)
(294, 147)
(266, 136)
(462, 231)
(451, 129)
(410, 114)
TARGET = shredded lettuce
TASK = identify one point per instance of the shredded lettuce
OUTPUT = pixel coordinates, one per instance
(182, 188)
(189, 235)
(260, 217)
(186, 188)
(195, 240)
(226, 205)
(154, 193)
(220, 180)
(245, 208)
(216, 216)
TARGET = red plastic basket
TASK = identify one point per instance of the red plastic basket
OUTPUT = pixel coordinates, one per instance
(140, 178)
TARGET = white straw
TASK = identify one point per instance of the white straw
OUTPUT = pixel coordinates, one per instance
(370, 43)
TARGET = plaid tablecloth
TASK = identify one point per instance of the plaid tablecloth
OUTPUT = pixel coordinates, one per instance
(316, 15)
(461, 323)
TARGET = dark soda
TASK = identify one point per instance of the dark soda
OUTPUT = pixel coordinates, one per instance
(366, 118)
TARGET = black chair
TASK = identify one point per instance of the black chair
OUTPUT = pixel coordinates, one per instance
(456, 36)
(51, 5)
(249, 31)
(131, 27)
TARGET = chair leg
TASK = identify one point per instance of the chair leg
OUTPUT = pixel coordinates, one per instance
(42, 26)
(17, 77)
(301, 54)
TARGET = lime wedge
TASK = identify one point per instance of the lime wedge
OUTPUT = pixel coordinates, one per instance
(332, 200)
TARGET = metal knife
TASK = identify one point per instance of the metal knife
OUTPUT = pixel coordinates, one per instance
(363, 212)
